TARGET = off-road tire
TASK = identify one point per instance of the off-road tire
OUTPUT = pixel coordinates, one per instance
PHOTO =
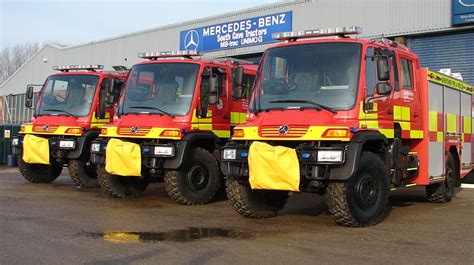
(196, 181)
(443, 192)
(120, 186)
(38, 173)
(81, 175)
(345, 199)
(254, 203)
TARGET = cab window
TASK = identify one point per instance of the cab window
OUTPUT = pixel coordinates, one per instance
(407, 73)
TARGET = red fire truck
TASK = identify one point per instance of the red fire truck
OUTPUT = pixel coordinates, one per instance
(175, 113)
(349, 118)
(73, 105)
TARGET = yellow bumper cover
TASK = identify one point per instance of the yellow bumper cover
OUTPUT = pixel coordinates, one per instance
(273, 167)
(35, 149)
(123, 158)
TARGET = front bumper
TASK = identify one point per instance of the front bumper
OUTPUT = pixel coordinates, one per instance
(312, 165)
(59, 147)
(154, 155)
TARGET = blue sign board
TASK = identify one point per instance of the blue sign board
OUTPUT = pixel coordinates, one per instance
(235, 34)
(463, 12)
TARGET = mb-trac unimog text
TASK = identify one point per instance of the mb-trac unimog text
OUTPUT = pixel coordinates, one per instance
(349, 118)
(175, 113)
(72, 106)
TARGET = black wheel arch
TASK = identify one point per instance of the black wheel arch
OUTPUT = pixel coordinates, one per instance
(372, 141)
(206, 140)
(83, 144)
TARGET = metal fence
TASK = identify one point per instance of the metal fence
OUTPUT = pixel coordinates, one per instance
(13, 109)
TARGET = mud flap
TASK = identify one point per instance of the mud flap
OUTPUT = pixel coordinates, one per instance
(35, 150)
(273, 167)
(123, 158)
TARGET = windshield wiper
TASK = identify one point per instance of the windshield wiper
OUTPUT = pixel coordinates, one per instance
(60, 110)
(317, 105)
(153, 108)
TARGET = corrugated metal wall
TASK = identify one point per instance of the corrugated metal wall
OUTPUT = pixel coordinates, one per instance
(377, 17)
(450, 50)
(14, 110)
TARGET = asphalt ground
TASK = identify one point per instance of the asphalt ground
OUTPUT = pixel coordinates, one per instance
(58, 223)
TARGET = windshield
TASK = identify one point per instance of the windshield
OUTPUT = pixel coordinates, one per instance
(161, 88)
(70, 95)
(308, 75)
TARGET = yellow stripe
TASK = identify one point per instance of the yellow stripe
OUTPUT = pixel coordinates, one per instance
(433, 121)
(314, 133)
(467, 124)
(405, 125)
(222, 133)
(439, 137)
(389, 133)
(416, 134)
(153, 133)
(451, 123)
(450, 82)
(61, 130)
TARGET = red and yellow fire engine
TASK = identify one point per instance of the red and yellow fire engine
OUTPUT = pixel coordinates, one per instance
(72, 107)
(350, 118)
(175, 113)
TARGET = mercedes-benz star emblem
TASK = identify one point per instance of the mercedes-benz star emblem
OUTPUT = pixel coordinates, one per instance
(191, 40)
(134, 129)
(283, 129)
(45, 127)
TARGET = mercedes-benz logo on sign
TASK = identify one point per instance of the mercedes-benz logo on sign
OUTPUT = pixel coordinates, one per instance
(134, 129)
(191, 40)
(283, 129)
(45, 127)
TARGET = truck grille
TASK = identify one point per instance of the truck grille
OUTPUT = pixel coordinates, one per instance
(133, 131)
(45, 129)
(293, 131)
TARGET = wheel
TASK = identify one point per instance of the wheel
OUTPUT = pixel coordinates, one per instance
(120, 186)
(254, 203)
(443, 192)
(361, 200)
(82, 174)
(38, 173)
(196, 181)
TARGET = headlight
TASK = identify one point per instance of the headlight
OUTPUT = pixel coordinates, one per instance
(66, 144)
(229, 153)
(330, 156)
(15, 141)
(164, 150)
(95, 147)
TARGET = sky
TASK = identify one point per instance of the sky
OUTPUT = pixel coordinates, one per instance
(74, 22)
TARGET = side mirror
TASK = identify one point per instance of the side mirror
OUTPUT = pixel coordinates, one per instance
(29, 92)
(383, 69)
(384, 89)
(237, 88)
(110, 100)
(29, 103)
(213, 84)
(238, 74)
(110, 88)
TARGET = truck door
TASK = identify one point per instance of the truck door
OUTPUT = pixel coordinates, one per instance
(406, 105)
(217, 121)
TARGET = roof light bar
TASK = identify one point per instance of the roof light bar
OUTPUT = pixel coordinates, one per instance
(78, 67)
(317, 33)
(167, 54)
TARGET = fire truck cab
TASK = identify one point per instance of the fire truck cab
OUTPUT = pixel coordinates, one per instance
(175, 113)
(72, 106)
(349, 118)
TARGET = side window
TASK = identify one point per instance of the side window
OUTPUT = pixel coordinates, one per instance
(220, 79)
(247, 84)
(407, 75)
(370, 71)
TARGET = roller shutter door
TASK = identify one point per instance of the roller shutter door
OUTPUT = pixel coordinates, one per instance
(447, 50)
